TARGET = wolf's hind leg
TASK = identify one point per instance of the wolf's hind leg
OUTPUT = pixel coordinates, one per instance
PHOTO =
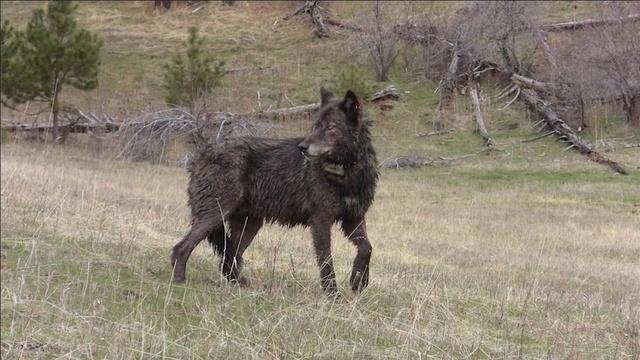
(243, 231)
(183, 249)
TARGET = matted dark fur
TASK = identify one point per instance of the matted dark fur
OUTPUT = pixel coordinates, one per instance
(330, 176)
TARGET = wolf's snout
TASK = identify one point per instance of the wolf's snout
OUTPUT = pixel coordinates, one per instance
(303, 146)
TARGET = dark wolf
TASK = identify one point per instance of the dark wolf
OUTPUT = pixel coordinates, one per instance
(328, 177)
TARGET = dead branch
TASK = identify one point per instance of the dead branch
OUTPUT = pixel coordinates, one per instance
(512, 100)
(505, 92)
(146, 137)
(564, 131)
(577, 25)
(531, 83)
(390, 92)
(546, 49)
(477, 115)
(539, 137)
(312, 7)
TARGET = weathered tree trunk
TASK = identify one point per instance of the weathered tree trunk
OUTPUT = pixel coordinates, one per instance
(166, 4)
(632, 109)
(54, 115)
(508, 54)
(318, 20)
(447, 86)
(312, 7)
(540, 107)
(477, 115)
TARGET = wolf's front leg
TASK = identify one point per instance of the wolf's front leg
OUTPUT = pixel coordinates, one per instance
(356, 232)
(321, 232)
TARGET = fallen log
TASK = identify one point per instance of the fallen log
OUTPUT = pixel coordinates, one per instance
(478, 117)
(289, 111)
(564, 131)
(577, 25)
(436, 133)
(388, 93)
(524, 81)
(415, 161)
(408, 161)
(74, 128)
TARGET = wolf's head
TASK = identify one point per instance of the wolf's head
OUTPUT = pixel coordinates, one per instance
(336, 128)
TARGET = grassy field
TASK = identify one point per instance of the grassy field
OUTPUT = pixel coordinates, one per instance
(525, 252)
(481, 261)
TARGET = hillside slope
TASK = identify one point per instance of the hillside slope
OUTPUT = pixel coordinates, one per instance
(279, 63)
(527, 251)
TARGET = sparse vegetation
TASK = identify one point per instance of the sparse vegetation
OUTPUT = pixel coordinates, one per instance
(190, 77)
(378, 38)
(526, 251)
(353, 78)
(52, 52)
(512, 260)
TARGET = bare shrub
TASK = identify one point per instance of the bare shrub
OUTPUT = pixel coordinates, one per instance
(378, 38)
(146, 137)
(599, 63)
(614, 52)
(425, 47)
(504, 32)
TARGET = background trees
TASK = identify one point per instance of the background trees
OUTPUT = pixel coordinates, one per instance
(191, 76)
(51, 53)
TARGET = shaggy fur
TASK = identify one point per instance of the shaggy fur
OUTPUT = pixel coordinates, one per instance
(330, 176)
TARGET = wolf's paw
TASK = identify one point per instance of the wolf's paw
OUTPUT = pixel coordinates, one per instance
(359, 280)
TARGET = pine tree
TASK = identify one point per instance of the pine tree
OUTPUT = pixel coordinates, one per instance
(193, 78)
(8, 47)
(50, 53)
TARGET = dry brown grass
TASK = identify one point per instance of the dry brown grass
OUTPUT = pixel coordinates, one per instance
(506, 263)
(527, 252)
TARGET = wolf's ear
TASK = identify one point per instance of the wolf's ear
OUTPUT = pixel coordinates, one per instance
(351, 107)
(325, 96)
